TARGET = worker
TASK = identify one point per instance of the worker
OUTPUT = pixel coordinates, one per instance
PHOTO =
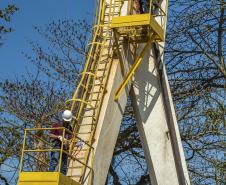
(57, 137)
(137, 6)
(145, 4)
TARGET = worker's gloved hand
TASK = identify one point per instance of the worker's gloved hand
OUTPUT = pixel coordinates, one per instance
(80, 144)
(60, 138)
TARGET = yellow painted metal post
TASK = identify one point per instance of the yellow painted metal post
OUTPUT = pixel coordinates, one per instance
(61, 152)
(116, 37)
(150, 8)
(22, 155)
(165, 18)
(102, 5)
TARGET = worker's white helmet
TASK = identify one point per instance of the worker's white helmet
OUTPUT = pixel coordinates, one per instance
(67, 115)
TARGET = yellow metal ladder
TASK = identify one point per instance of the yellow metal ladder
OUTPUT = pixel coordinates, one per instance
(88, 97)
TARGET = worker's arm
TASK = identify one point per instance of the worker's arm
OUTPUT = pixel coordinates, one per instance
(66, 142)
(57, 137)
(53, 136)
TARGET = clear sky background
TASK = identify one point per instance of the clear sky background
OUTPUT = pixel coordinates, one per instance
(34, 13)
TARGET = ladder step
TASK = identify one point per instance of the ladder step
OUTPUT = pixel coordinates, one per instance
(102, 69)
(89, 109)
(96, 85)
(98, 77)
(112, 6)
(93, 100)
(84, 149)
(101, 77)
(86, 124)
(105, 55)
(88, 116)
(80, 158)
(76, 176)
(76, 167)
(95, 92)
(111, 14)
(93, 118)
(104, 61)
(83, 133)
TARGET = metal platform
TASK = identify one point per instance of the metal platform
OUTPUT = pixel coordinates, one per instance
(138, 26)
(45, 178)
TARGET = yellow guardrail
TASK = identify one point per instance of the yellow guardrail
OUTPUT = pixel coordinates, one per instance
(37, 142)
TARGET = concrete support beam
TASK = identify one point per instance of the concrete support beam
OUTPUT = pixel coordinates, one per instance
(157, 124)
(108, 126)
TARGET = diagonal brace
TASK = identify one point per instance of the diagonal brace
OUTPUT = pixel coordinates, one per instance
(133, 69)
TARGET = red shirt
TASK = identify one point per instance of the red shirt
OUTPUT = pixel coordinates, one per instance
(59, 132)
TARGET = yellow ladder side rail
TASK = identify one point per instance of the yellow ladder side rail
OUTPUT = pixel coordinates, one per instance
(98, 108)
(107, 33)
(82, 83)
(85, 71)
(105, 67)
(87, 64)
(61, 151)
(84, 97)
(165, 19)
(150, 7)
(95, 22)
(22, 155)
(93, 134)
(90, 57)
(97, 64)
(87, 82)
(85, 93)
(83, 77)
(103, 5)
(106, 76)
(90, 139)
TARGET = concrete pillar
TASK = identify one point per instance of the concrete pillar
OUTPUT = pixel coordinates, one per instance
(157, 124)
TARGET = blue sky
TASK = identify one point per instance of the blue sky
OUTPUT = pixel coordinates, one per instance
(34, 13)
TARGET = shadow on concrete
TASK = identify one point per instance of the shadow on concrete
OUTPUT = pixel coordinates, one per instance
(147, 84)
